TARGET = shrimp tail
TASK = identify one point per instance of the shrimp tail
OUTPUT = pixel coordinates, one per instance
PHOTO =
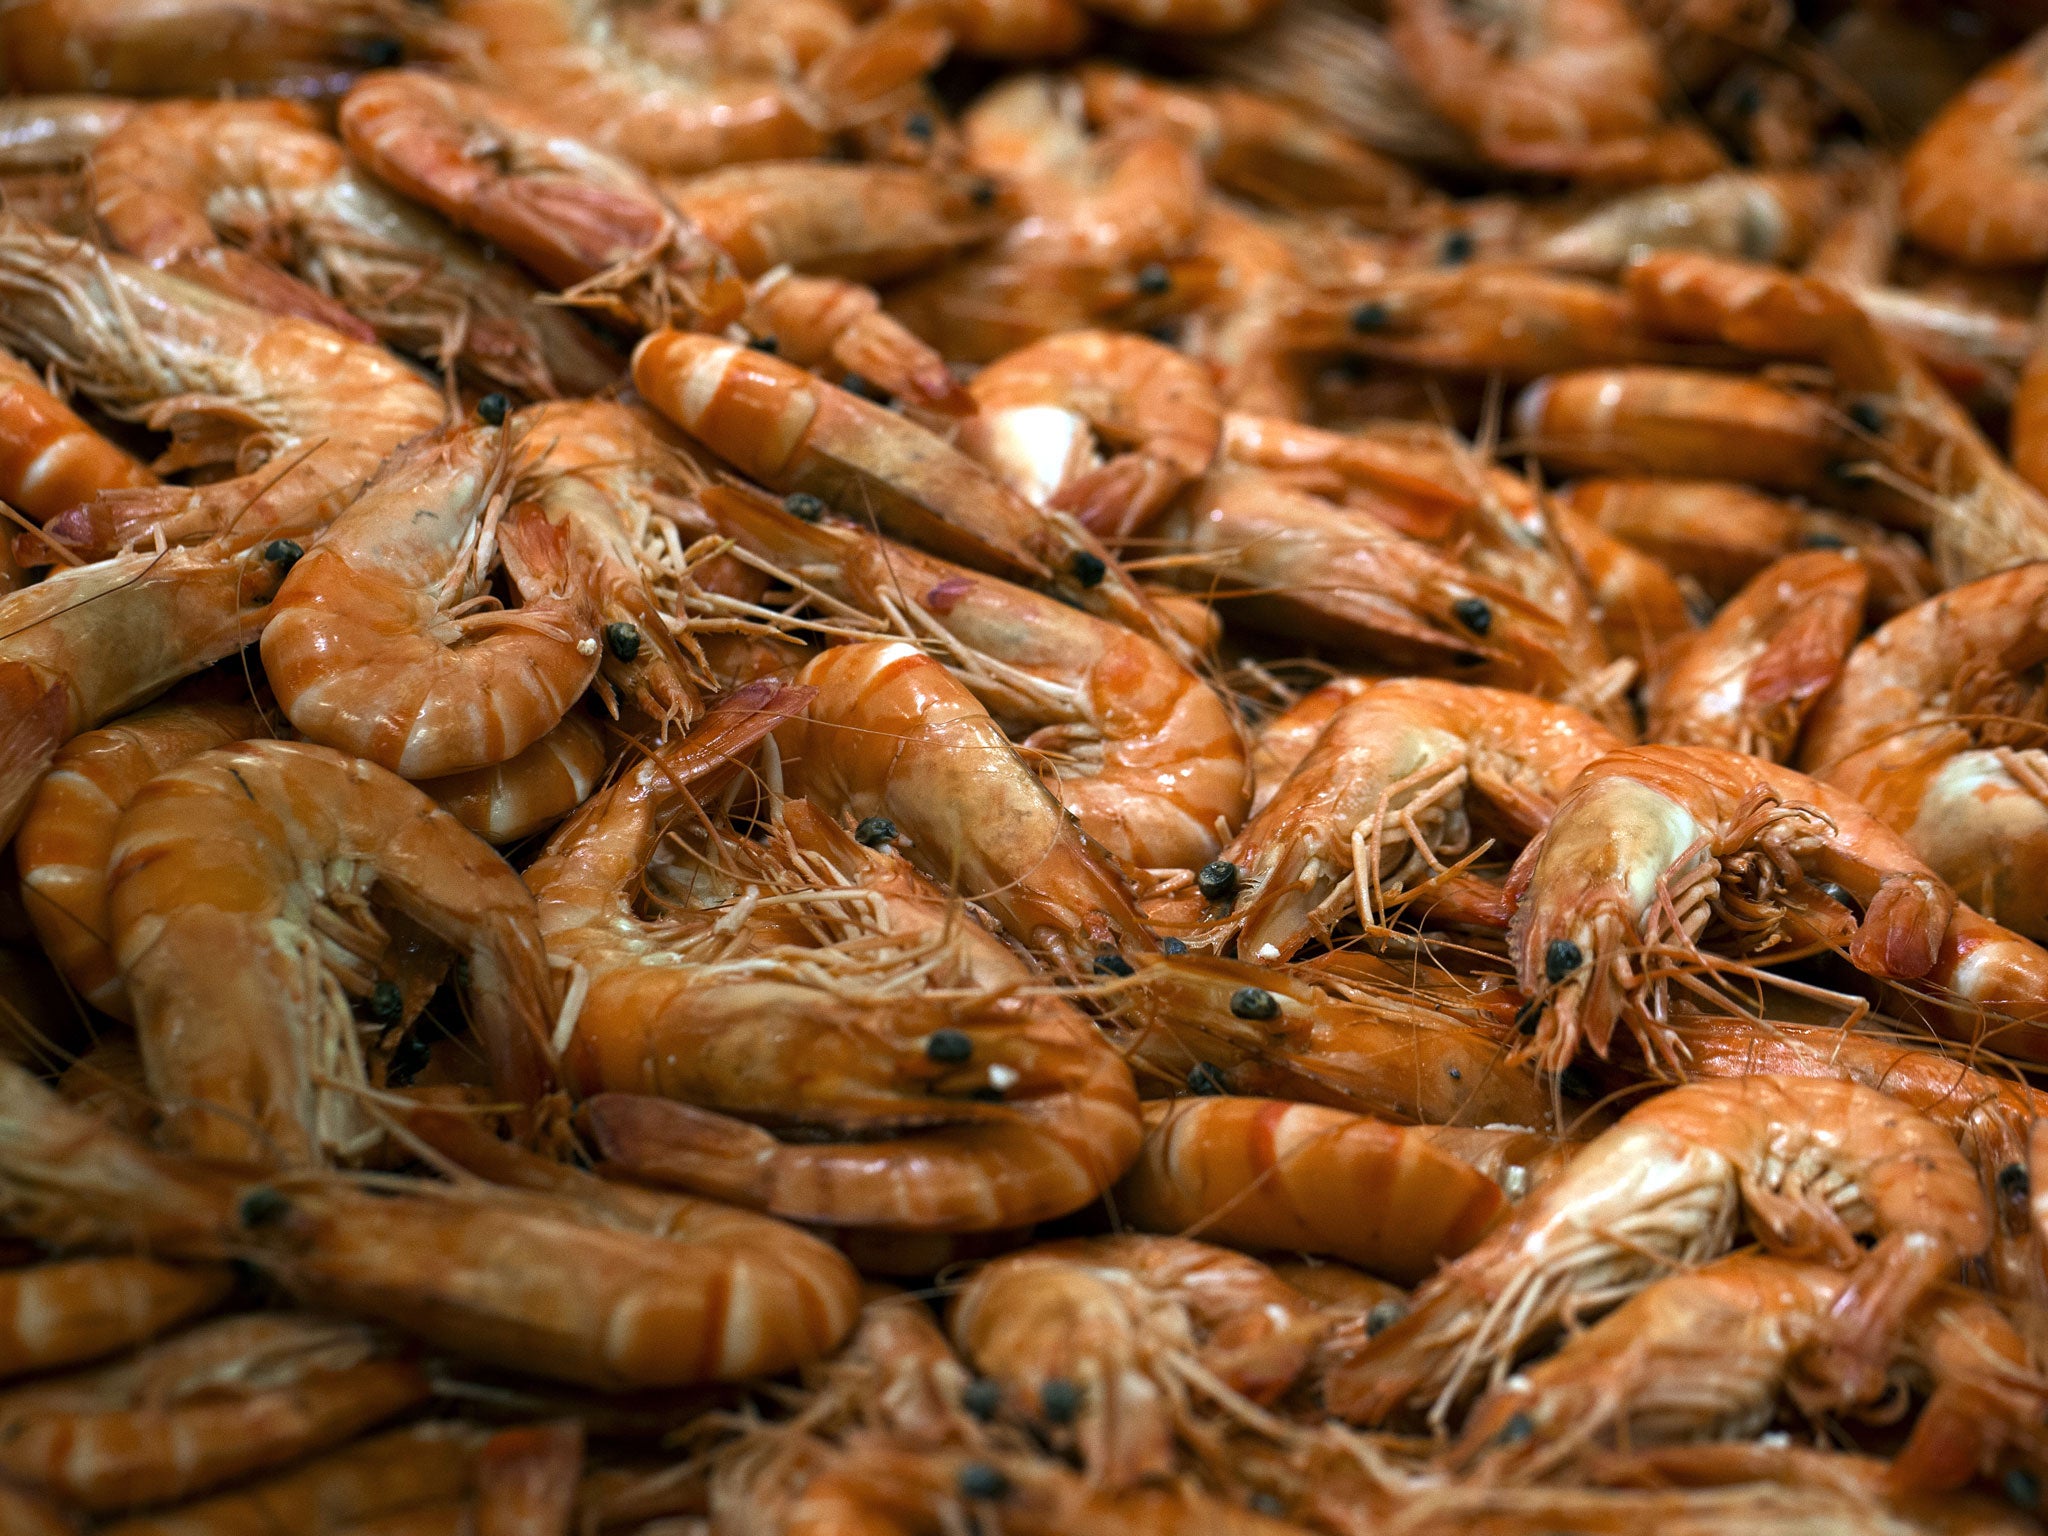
(680, 1144)
(879, 348)
(1118, 499)
(1901, 933)
(33, 714)
(538, 556)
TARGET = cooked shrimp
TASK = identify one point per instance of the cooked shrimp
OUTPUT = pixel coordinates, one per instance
(1987, 134)
(89, 643)
(1109, 1334)
(1380, 801)
(813, 320)
(1989, 1396)
(1041, 411)
(268, 855)
(68, 1311)
(1653, 843)
(1147, 756)
(68, 831)
(1636, 601)
(218, 191)
(377, 643)
(1746, 681)
(1809, 1163)
(573, 214)
(301, 414)
(1282, 742)
(1761, 216)
(204, 1408)
(1264, 1173)
(49, 459)
(530, 791)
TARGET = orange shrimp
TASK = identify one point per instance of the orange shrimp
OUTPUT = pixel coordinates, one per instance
(1041, 410)
(1282, 742)
(1652, 843)
(49, 459)
(1988, 1398)
(1106, 1336)
(813, 320)
(573, 214)
(68, 831)
(90, 643)
(1636, 601)
(1264, 1173)
(68, 1311)
(204, 1408)
(1985, 135)
(1747, 680)
(1774, 216)
(301, 414)
(1809, 1163)
(1147, 757)
(1380, 801)
(377, 643)
(270, 853)
(531, 790)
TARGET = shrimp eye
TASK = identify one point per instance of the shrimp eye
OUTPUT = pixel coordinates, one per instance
(1474, 614)
(1154, 280)
(875, 832)
(387, 1003)
(766, 344)
(2023, 1488)
(1217, 880)
(1204, 1081)
(804, 505)
(379, 52)
(1575, 1083)
(854, 384)
(1457, 248)
(1112, 965)
(1518, 1428)
(1060, 1400)
(1370, 317)
(408, 1059)
(919, 126)
(979, 1480)
(622, 640)
(1383, 1316)
(982, 1397)
(948, 1047)
(2013, 1181)
(1560, 958)
(492, 409)
(983, 192)
(1525, 1021)
(284, 554)
(1172, 946)
(262, 1207)
(1254, 1003)
(1823, 541)
(1266, 1504)
(1088, 569)
(1868, 417)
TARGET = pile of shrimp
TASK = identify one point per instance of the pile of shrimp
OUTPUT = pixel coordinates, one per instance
(1053, 767)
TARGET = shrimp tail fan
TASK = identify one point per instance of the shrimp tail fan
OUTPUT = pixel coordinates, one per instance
(32, 719)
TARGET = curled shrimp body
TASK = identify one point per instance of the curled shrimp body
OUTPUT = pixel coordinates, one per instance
(1144, 753)
(67, 1311)
(1810, 1164)
(1267, 1174)
(1282, 742)
(814, 321)
(49, 459)
(214, 1404)
(269, 855)
(376, 643)
(218, 191)
(891, 734)
(1746, 681)
(531, 790)
(1761, 216)
(1379, 802)
(574, 215)
(1652, 843)
(1041, 410)
(1133, 1323)
(1987, 133)
(68, 832)
(299, 412)
(90, 643)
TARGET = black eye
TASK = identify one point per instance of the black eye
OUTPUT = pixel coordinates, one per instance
(804, 505)
(875, 832)
(1205, 1082)
(1457, 248)
(492, 409)
(1254, 1003)
(1088, 569)
(1112, 965)
(1154, 280)
(979, 1480)
(948, 1047)
(1868, 417)
(1474, 614)
(284, 554)
(1560, 958)
(1060, 1401)
(1371, 317)
(622, 640)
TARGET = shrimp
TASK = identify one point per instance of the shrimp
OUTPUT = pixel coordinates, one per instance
(68, 1311)
(1563, 87)
(1636, 601)
(1264, 1173)
(573, 214)
(91, 642)
(1108, 1335)
(45, 142)
(1698, 1355)
(811, 320)
(1747, 680)
(1810, 1163)
(49, 459)
(1774, 216)
(1380, 801)
(68, 831)
(217, 191)
(1283, 741)
(1147, 757)
(207, 1407)
(530, 791)
(301, 414)
(268, 854)
(1987, 131)
(1988, 1396)
(1653, 843)
(891, 734)
(1041, 410)
(377, 643)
